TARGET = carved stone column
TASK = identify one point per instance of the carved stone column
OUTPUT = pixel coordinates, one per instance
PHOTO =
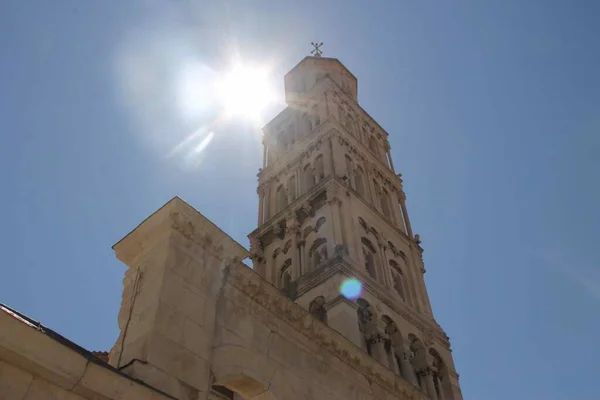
(293, 229)
(261, 205)
(426, 376)
(328, 158)
(376, 342)
(406, 368)
(302, 261)
(334, 202)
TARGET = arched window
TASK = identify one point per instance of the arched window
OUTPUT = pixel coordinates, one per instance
(285, 276)
(377, 194)
(319, 167)
(419, 358)
(398, 279)
(369, 254)
(291, 188)
(358, 181)
(373, 145)
(309, 178)
(282, 199)
(305, 125)
(441, 379)
(318, 252)
(348, 166)
(350, 124)
(319, 223)
(385, 203)
(316, 119)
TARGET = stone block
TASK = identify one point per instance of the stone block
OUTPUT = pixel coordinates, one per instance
(14, 382)
(41, 389)
(26, 347)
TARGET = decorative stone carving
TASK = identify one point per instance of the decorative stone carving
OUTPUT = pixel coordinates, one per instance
(340, 250)
(317, 309)
(418, 239)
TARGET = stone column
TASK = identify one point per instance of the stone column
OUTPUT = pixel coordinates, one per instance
(293, 229)
(328, 157)
(301, 257)
(264, 155)
(334, 202)
(376, 341)
(261, 199)
(429, 385)
(386, 146)
(405, 214)
(406, 368)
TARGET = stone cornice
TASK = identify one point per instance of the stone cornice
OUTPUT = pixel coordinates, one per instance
(266, 295)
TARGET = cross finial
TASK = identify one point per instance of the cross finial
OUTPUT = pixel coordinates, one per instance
(316, 51)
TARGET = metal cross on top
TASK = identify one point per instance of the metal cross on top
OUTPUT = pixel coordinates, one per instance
(317, 50)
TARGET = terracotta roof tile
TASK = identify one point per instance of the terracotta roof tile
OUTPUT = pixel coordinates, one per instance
(103, 355)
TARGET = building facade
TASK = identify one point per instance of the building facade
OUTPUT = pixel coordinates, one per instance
(196, 323)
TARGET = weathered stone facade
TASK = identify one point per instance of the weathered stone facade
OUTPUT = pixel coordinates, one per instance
(196, 323)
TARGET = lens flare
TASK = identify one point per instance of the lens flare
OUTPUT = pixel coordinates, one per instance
(351, 288)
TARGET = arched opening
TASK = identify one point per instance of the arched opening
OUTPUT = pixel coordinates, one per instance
(305, 125)
(319, 223)
(359, 186)
(291, 188)
(398, 279)
(385, 204)
(350, 124)
(317, 309)
(369, 254)
(285, 275)
(419, 359)
(309, 178)
(282, 200)
(373, 145)
(316, 119)
(377, 194)
(319, 167)
(348, 166)
(318, 252)
(441, 378)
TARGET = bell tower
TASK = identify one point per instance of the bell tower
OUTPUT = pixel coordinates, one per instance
(332, 211)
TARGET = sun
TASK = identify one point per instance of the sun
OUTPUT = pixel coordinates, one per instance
(245, 91)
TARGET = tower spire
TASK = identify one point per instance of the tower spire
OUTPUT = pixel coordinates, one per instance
(317, 49)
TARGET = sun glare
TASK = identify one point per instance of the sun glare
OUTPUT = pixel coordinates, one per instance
(245, 91)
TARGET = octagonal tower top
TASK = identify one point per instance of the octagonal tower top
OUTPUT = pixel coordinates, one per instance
(312, 69)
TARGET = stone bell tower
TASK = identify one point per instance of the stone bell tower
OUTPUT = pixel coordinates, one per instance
(332, 209)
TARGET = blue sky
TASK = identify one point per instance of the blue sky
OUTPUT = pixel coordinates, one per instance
(493, 111)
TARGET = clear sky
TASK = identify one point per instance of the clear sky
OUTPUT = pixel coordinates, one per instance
(493, 112)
